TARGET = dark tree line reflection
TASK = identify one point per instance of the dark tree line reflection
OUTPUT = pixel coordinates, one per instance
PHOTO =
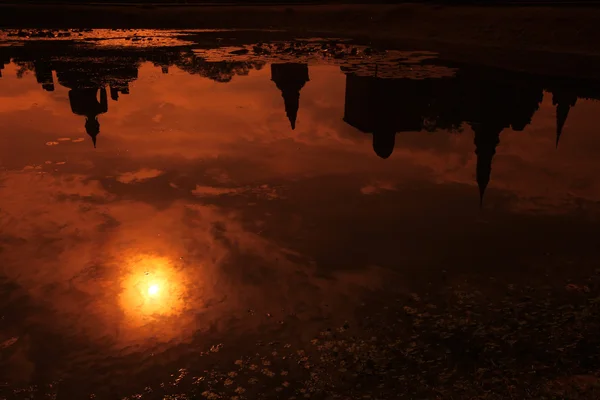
(488, 100)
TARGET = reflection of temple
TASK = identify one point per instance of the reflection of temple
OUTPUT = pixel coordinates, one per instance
(487, 138)
(4, 60)
(164, 58)
(88, 80)
(119, 80)
(290, 78)
(488, 102)
(219, 71)
(93, 70)
(563, 98)
(43, 74)
(85, 102)
(384, 107)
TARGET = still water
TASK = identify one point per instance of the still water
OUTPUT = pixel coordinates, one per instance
(259, 222)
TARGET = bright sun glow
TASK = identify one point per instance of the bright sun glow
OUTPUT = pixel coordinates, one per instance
(151, 287)
(153, 290)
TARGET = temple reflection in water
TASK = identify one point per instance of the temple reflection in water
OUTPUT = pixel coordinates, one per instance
(487, 100)
(290, 78)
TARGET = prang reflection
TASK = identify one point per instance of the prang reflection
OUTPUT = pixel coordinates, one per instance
(290, 79)
(487, 100)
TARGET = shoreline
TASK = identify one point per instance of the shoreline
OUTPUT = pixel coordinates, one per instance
(557, 40)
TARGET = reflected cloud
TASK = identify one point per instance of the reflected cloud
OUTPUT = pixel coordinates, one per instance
(139, 176)
(213, 191)
(377, 187)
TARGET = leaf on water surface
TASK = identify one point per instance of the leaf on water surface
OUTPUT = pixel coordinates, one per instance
(571, 287)
(268, 372)
(216, 348)
(210, 395)
(8, 343)
(240, 390)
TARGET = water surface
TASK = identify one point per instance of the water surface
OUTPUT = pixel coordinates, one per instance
(265, 221)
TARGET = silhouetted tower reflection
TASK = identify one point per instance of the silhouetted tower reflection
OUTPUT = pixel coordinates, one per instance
(4, 60)
(164, 58)
(119, 78)
(290, 78)
(563, 100)
(384, 107)
(85, 102)
(43, 74)
(522, 101)
(492, 101)
(487, 138)
(86, 76)
(118, 87)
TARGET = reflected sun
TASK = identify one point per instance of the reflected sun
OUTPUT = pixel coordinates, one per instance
(153, 290)
(152, 287)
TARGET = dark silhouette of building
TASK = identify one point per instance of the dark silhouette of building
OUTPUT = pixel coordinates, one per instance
(219, 71)
(6, 54)
(164, 58)
(85, 102)
(523, 101)
(87, 78)
(563, 99)
(487, 138)
(290, 78)
(4, 60)
(43, 74)
(383, 107)
(490, 102)
(119, 78)
(118, 87)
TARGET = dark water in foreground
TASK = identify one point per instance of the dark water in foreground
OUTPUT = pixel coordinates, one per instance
(173, 224)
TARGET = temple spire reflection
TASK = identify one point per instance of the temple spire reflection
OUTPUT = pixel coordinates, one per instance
(43, 75)
(487, 138)
(384, 142)
(290, 78)
(563, 101)
(4, 60)
(85, 102)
